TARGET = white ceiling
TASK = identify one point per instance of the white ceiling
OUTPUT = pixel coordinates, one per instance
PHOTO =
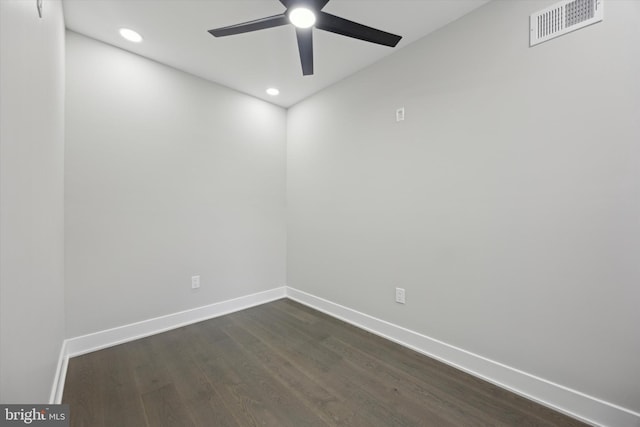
(175, 33)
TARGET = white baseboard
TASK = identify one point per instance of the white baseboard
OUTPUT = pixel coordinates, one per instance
(61, 374)
(110, 337)
(96, 341)
(563, 399)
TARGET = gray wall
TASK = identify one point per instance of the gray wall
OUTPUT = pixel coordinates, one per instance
(507, 204)
(167, 176)
(31, 199)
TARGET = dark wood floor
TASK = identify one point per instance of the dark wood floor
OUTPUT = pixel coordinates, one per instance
(283, 364)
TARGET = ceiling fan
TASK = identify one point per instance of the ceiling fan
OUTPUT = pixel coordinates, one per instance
(305, 15)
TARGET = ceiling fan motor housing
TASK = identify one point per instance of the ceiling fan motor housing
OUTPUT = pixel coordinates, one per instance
(311, 17)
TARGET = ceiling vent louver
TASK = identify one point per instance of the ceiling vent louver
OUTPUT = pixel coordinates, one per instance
(564, 17)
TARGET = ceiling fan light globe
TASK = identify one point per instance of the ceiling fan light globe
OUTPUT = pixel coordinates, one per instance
(130, 35)
(302, 17)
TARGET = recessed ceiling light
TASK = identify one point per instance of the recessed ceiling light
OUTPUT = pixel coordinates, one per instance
(302, 17)
(130, 35)
(273, 91)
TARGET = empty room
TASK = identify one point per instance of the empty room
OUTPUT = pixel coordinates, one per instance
(319, 213)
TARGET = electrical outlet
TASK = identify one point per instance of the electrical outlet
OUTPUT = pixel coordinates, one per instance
(400, 295)
(195, 282)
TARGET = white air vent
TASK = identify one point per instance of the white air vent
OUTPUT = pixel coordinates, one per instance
(564, 17)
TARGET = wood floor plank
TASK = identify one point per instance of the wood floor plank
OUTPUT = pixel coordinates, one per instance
(506, 406)
(442, 395)
(283, 364)
(149, 369)
(83, 389)
(164, 408)
(247, 404)
(201, 399)
(326, 405)
(333, 372)
(396, 386)
(120, 396)
(283, 403)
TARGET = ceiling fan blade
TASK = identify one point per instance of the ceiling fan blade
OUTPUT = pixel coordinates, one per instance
(305, 47)
(319, 4)
(313, 4)
(335, 24)
(245, 27)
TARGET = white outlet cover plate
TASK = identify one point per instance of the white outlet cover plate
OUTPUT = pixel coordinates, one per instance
(195, 282)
